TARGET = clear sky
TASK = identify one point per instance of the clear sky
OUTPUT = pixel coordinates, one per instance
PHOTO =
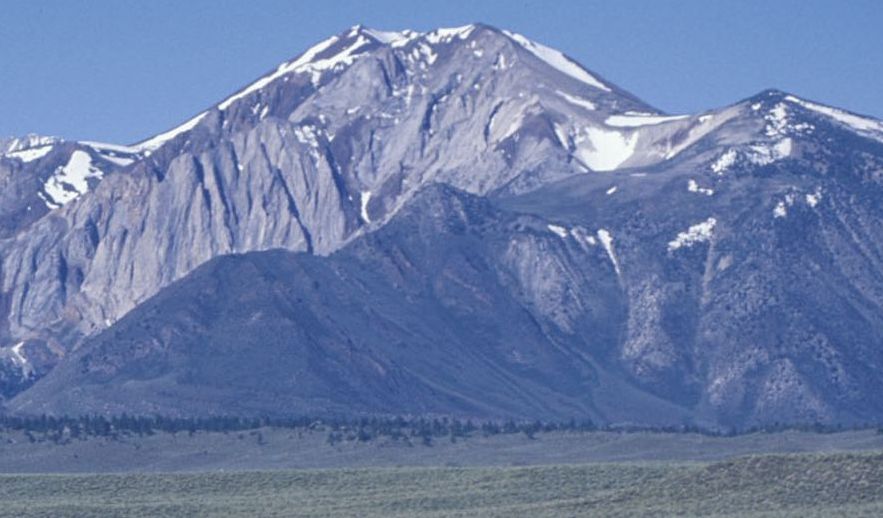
(122, 71)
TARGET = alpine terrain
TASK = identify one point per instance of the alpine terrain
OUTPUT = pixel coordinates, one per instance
(459, 222)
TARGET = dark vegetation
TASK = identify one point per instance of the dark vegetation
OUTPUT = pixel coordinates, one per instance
(424, 430)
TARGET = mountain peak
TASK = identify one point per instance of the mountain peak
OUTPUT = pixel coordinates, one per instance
(433, 178)
(337, 53)
(554, 58)
(384, 37)
(403, 37)
(779, 104)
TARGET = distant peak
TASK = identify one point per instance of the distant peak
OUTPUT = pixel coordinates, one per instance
(13, 144)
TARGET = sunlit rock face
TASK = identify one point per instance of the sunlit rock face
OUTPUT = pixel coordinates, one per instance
(720, 268)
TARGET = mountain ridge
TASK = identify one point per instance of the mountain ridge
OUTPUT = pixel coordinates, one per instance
(336, 143)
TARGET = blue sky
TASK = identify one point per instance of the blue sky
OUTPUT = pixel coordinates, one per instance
(122, 71)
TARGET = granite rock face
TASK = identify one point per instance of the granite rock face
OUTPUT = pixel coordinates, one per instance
(391, 323)
(326, 147)
(721, 268)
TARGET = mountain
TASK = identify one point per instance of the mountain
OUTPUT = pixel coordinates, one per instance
(392, 323)
(318, 151)
(39, 174)
(474, 224)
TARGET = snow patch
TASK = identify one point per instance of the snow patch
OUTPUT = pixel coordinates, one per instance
(607, 241)
(152, 144)
(447, 35)
(392, 38)
(813, 199)
(578, 101)
(697, 233)
(783, 148)
(781, 208)
(611, 190)
(602, 150)
(307, 135)
(692, 186)
(580, 236)
(120, 161)
(557, 60)
(760, 154)
(17, 355)
(560, 231)
(849, 119)
(365, 198)
(29, 155)
(71, 180)
(426, 51)
(780, 211)
(779, 124)
(724, 162)
(20, 360)
(777, 121)
(27, 142)
(304, 62)
(633, 121)
(562, 134)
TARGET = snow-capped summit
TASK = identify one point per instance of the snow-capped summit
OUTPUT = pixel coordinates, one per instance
(678, 257)
(416, 53)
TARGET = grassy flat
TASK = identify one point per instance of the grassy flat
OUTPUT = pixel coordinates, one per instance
(770, 485)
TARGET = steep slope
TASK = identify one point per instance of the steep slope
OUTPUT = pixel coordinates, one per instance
(38, 175)
(737, 284)
(753, 277)
(723, 267)
(392, 323)
(733, 286)
(326, 146)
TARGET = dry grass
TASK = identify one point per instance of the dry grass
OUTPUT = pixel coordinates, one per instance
(773, 485)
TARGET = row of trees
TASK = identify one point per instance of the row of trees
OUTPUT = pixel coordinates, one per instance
(342, 429)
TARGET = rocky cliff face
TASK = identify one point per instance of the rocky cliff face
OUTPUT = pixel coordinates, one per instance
(735, 254)
(753, 285)
(308, 156)
(392, 323)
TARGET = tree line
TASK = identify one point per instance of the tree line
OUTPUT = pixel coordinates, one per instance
(424, 429)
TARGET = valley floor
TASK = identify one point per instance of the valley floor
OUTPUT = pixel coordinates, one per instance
(843, 484)
(284, 449)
